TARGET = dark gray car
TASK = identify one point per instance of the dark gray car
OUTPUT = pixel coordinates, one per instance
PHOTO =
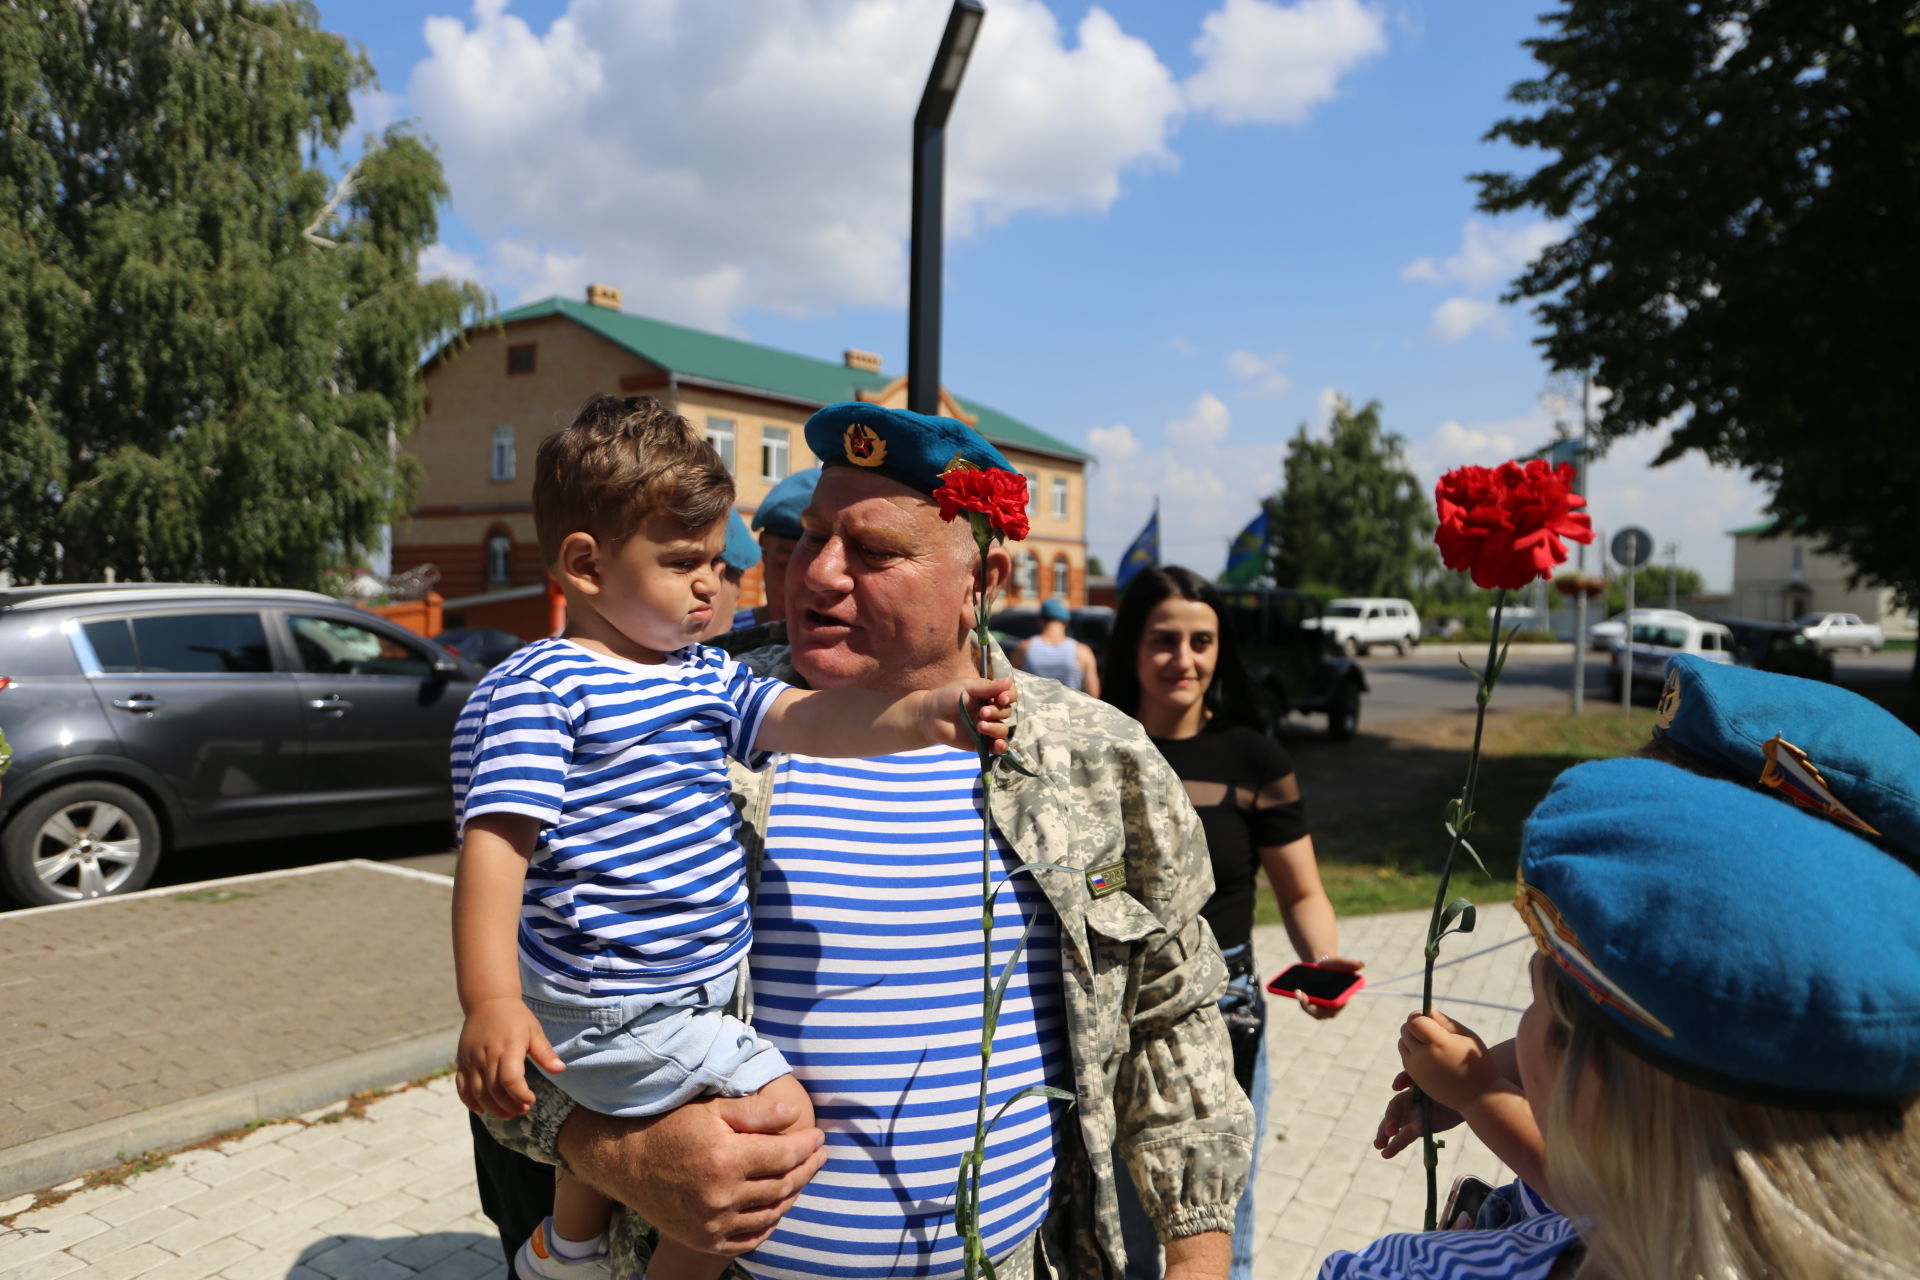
(147, 718)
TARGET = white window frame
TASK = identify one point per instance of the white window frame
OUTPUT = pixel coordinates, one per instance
(1028, 569)
(501, 457)
(1033, 492)
(1062, 577)
(721, 435)
(776, 453)
(499, 552)
(1059, 497)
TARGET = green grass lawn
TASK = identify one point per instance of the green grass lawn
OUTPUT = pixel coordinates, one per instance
(1387, 857)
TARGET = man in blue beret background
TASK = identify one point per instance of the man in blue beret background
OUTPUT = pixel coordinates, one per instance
(777, 522)
(865, 969)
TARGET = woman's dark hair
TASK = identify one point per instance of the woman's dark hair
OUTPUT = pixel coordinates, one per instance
(1230, 698)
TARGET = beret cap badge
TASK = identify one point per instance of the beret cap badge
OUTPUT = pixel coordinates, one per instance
(865, 448)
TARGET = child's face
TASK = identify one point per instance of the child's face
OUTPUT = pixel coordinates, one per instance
(1540, 1043)
(658, 589)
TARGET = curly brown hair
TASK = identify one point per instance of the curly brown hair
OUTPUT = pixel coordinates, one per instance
(625, 458)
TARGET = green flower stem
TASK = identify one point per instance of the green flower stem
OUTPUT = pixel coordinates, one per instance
(967, 1200)
(1436, 926)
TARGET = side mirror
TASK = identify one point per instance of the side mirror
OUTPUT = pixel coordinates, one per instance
(445, 668)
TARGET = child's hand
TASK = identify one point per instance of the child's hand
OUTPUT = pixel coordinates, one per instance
(490, 1064)
(944, 713)
(1400, 1124)
(1448, 1061)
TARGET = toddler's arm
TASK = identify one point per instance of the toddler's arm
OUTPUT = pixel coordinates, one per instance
(858, 723)
(500, 1031)
(1454, 1067)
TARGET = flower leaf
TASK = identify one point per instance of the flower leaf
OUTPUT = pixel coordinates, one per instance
(1027, 866)
(1032, 1091)
(1477, 860)
(991, 1019)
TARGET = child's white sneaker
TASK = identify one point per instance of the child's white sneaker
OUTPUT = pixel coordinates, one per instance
(538, 1261)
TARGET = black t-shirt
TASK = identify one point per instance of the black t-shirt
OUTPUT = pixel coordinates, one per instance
(1241, 782)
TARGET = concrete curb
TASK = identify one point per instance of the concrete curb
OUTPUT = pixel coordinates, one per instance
(46, 1162)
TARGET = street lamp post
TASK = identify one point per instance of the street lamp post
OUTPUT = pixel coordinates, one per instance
(929, 191)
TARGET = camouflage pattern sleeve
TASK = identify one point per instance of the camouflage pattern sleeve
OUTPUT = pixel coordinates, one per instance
(535, 1135)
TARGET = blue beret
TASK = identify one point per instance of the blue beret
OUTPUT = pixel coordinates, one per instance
(1056, 608)
(1737, 942)
(1816, 744)
(741, 552)
(779, 512)
(912, 448)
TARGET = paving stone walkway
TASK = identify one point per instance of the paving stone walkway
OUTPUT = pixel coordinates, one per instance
(391, 1194)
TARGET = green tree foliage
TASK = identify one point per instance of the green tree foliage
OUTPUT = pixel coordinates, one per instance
(207, 345)
(1742, 186)
(1351, 515)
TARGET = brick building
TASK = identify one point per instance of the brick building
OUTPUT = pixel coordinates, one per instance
(492, 400)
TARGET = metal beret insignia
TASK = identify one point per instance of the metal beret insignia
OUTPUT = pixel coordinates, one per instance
(865, 448)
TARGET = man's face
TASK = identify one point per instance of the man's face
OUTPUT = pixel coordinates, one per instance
(775, 553)
(880, 587)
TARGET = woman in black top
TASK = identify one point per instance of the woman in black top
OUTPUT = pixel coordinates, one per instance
(1173, 665)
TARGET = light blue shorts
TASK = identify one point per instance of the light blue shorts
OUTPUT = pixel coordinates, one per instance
(641, 1055)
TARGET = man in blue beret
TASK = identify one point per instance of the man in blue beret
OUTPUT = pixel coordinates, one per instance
(866, 964)
(777, 522)
(738, 555)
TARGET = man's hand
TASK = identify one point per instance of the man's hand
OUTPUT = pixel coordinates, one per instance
(715, 1174)
(943, 713)
(1446, 1060)
(1400, 1124)
(490, 1065)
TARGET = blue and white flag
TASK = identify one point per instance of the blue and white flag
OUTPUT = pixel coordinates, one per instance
(1144, 553)
(1247, 556)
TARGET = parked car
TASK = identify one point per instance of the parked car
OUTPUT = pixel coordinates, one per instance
(484, 647)
(1840, 631)
(1777, 646)
(1654, 643)
(1605, 635)
(1091, 625)
(1290, 659)
(147, 718)
(1355, 626)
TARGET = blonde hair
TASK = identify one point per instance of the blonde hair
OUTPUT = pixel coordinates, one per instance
(1671, 1181)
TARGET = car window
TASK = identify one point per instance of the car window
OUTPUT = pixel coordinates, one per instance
(337, 647)
(201, 644)
(1343, 611)
(111, 640)
(1665, 637)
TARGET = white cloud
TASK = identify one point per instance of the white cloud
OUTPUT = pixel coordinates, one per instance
(1455, 318)
(1268, 63)
(1113, 444)
(1206, 423)
(714, 157)
(375, 109)
(1180, 346)
(1489, 255)
(1324, 404)
(1264, 373)
(438, 260)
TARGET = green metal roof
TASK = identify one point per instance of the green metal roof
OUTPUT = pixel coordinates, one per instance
(1760, 530)
(710, 356)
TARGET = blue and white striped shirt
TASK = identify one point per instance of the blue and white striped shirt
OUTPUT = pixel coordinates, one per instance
(636, 883)
(867, 975)
(1527, 1250)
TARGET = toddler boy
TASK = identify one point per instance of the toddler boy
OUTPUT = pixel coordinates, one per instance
(600, 902)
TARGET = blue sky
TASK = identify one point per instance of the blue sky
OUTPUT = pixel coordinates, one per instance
(1175, 228)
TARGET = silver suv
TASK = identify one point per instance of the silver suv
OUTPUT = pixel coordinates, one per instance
(151, 717)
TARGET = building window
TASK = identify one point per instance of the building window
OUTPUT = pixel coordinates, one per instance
(499, 557)
(1799, 561)
(1059, 498)
(502, 468)
(520, 359)
(1027, 575)
(1062, 578)
(773, 453)
(1033, 492)
(720, 436)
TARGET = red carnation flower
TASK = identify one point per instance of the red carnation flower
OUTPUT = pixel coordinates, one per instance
(1000, 496)
(1504, 525)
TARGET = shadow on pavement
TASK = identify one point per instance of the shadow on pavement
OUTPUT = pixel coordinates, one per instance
(386, 844)
(446, 1253)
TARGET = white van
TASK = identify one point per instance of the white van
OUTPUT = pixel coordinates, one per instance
(1357, 625)
(1654, 642)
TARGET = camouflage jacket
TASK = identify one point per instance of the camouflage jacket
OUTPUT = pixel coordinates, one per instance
(1152, 1065)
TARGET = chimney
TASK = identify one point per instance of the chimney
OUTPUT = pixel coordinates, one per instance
(603, 295)
(864, 361)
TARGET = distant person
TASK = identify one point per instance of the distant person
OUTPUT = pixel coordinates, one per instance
(1056, 655)
(1174, 665)
(600, 910)
(777, 521)
(736, 557)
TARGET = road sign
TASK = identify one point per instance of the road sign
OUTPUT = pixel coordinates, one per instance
(1632, 546)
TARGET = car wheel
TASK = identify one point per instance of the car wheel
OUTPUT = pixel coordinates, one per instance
(1400, 647)
(1351, 647)
(1343, 714)
(83, 840)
